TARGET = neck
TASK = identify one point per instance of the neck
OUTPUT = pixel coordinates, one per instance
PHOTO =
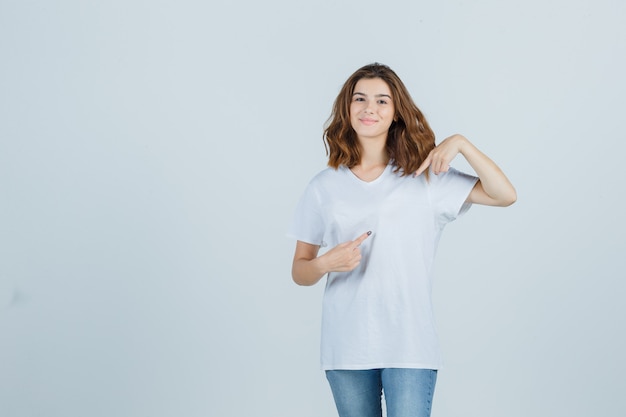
(373, 153)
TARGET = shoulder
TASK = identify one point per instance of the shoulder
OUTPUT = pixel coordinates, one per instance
(327, 175)
(451, 176)
(321, 183)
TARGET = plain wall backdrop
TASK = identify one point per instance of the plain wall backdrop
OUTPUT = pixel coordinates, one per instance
(152, 152)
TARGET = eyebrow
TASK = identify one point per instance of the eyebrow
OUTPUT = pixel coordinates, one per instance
(376, 95)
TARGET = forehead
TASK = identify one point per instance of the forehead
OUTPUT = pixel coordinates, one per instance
(372, 86)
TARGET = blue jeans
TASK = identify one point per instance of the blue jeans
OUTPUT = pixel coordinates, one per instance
(408, 392)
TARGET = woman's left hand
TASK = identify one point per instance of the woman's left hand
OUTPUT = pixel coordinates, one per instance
(493, 187)
(439, 158)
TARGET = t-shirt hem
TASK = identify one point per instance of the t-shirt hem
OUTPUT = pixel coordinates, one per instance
(382, 365)
(465, 206)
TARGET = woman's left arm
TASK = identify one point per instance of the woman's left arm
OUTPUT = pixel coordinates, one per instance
(493, 187)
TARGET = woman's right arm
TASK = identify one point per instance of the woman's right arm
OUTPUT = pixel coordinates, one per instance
(308, 268)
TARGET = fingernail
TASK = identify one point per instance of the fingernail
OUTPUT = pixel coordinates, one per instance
(369, 233)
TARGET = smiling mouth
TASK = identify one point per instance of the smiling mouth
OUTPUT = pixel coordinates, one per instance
(368, 122)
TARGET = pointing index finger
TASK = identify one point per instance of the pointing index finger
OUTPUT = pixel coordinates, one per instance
(423, 167)
(357, 242)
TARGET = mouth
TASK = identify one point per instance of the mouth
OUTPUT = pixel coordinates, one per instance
(368, 122)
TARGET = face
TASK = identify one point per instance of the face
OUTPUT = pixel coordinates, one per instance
(371, 109)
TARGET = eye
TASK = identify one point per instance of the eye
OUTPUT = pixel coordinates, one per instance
(359, 99)
(381, 101)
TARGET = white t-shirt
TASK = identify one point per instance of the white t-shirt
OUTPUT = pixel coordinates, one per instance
(379, 315)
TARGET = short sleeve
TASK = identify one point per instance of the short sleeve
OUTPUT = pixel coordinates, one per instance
(448, 193)
(307, 224)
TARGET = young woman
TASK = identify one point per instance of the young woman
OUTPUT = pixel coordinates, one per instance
(381, 207)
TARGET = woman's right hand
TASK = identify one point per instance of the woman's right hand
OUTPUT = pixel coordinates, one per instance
(308, 268)
(345, 256)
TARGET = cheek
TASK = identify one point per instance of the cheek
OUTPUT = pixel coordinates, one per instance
(387, 116)
(391, 116)
(354, 110)
(354, 117)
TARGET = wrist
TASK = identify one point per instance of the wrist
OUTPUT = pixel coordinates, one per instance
(320, 265)
(463, 143)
